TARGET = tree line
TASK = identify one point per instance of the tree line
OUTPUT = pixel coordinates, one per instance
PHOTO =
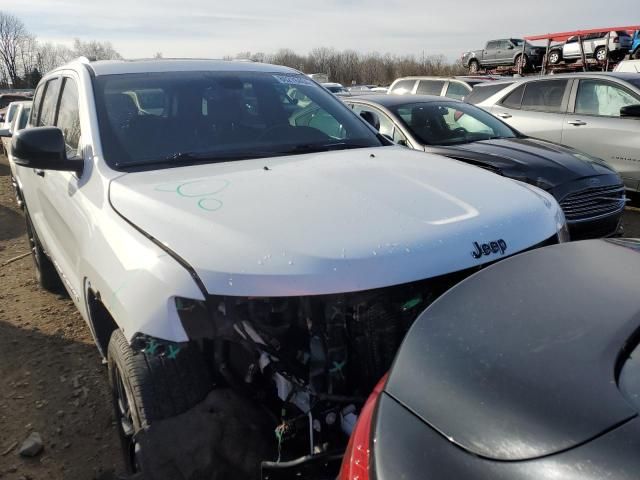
(350, 67)
(24, 59)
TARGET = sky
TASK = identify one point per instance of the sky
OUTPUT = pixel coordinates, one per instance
(213, 29)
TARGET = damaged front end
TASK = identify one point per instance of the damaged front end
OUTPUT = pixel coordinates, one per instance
(310, 360)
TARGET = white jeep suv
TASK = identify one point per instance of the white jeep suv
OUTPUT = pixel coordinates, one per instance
(247, 251)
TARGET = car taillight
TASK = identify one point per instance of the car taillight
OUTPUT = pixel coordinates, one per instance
(355, 463)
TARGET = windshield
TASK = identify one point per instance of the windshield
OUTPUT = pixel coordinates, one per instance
(156, 120)
(450, 123)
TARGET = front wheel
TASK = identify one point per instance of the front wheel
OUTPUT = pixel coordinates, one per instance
(636, 54)
(522, 62)
(474, 66)
(147, 388)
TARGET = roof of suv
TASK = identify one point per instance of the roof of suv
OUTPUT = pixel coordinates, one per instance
(116, 67)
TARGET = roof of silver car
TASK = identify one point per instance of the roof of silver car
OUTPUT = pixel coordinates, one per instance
(618, 75)
(397, 100)
(117, 67)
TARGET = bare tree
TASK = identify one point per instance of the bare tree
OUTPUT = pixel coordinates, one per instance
(95, 50)
(50, 56)
(12, 34)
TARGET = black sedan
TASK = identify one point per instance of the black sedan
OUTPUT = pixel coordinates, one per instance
(528, 370)
(589, 191)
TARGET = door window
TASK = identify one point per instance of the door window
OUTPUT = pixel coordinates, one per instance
(514, 99)
(386, 124)
(544, 96)
(597, 97)
(48, 107)
(69, 116)
(457, 90)
(430, 87)
(35, 110)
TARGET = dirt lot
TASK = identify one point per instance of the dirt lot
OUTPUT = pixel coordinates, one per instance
(51, 378)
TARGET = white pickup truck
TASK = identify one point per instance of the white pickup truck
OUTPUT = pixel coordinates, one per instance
(247, 251)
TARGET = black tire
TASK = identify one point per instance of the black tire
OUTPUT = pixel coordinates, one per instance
(474, 66)
(521, 63)
(600, 54)
(46, 273)
(555, 56)
(146, 388)
(635, 54)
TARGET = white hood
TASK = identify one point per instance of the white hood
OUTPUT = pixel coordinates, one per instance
(332, 222)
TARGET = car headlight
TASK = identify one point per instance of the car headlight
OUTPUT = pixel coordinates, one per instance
(563, 229)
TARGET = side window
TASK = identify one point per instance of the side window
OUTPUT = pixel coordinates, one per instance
(320, 119)
(481, 93)
(544, 96)
(48, 107)
(403, 87)
(24, 118)
(68, 119)
(457, 90)
(398, 136)
(597, 97)
(430, 87)
(386, 125)
(492, 45)
(514, 99)
(35, 105)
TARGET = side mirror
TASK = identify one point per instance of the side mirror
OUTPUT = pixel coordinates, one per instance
(403, 143)
(630, 111)
(510, 47)
(43, 148)
(5, 132)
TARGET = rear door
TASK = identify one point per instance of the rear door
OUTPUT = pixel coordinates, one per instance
(536, 108)
(489, 53)
(594, 125)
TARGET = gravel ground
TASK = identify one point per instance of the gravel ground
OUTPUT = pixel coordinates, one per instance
(52, 381)
(51, 378)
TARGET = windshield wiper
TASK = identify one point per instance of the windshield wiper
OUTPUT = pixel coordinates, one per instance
(323, 147)
(182, 159)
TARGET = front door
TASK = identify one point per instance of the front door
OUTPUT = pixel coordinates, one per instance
(595, 126)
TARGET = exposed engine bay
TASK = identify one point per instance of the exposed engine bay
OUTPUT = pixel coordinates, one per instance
(313, 360)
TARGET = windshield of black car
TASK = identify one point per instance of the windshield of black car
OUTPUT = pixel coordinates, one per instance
(171, 118)
(450, 123)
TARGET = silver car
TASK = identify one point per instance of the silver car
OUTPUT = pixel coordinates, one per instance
(451, 87)
(598, 113)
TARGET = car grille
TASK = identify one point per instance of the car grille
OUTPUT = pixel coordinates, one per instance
(593, 203)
